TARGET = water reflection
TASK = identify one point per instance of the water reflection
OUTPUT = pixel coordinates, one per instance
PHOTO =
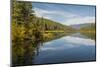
(69, 48)
(75, 42)
(23, 52)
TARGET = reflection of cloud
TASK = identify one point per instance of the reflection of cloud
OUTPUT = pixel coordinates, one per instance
(58, 47)
(80, 41)
(68, 43)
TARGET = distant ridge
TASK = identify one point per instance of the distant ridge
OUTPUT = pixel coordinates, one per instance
(78, 26)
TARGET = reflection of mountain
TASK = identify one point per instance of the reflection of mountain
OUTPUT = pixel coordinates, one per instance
(89, 30)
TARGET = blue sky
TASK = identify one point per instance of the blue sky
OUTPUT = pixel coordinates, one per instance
(65, 13)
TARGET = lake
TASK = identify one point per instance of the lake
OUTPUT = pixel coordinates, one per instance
(74, 47)
(71, 48)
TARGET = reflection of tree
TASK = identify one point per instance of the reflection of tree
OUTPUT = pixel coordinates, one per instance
(25, 53)
(89, 35)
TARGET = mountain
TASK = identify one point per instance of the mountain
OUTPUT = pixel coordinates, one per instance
(52, 25)
(79, 26)
(89, 27)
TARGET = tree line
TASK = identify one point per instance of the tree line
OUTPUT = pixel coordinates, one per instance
(26, 25)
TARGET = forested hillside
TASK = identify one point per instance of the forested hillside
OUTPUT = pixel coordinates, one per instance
(50, 25)
(88, 27)
(79, 26)
(28, 30)
(25, 24)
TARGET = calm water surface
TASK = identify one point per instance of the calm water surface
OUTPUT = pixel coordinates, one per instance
(72, 48)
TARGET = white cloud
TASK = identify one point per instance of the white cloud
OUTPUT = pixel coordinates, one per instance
(41, 12)
(64, 17)
(80, 20)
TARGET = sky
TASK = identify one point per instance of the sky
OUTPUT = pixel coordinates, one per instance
(66, 14)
